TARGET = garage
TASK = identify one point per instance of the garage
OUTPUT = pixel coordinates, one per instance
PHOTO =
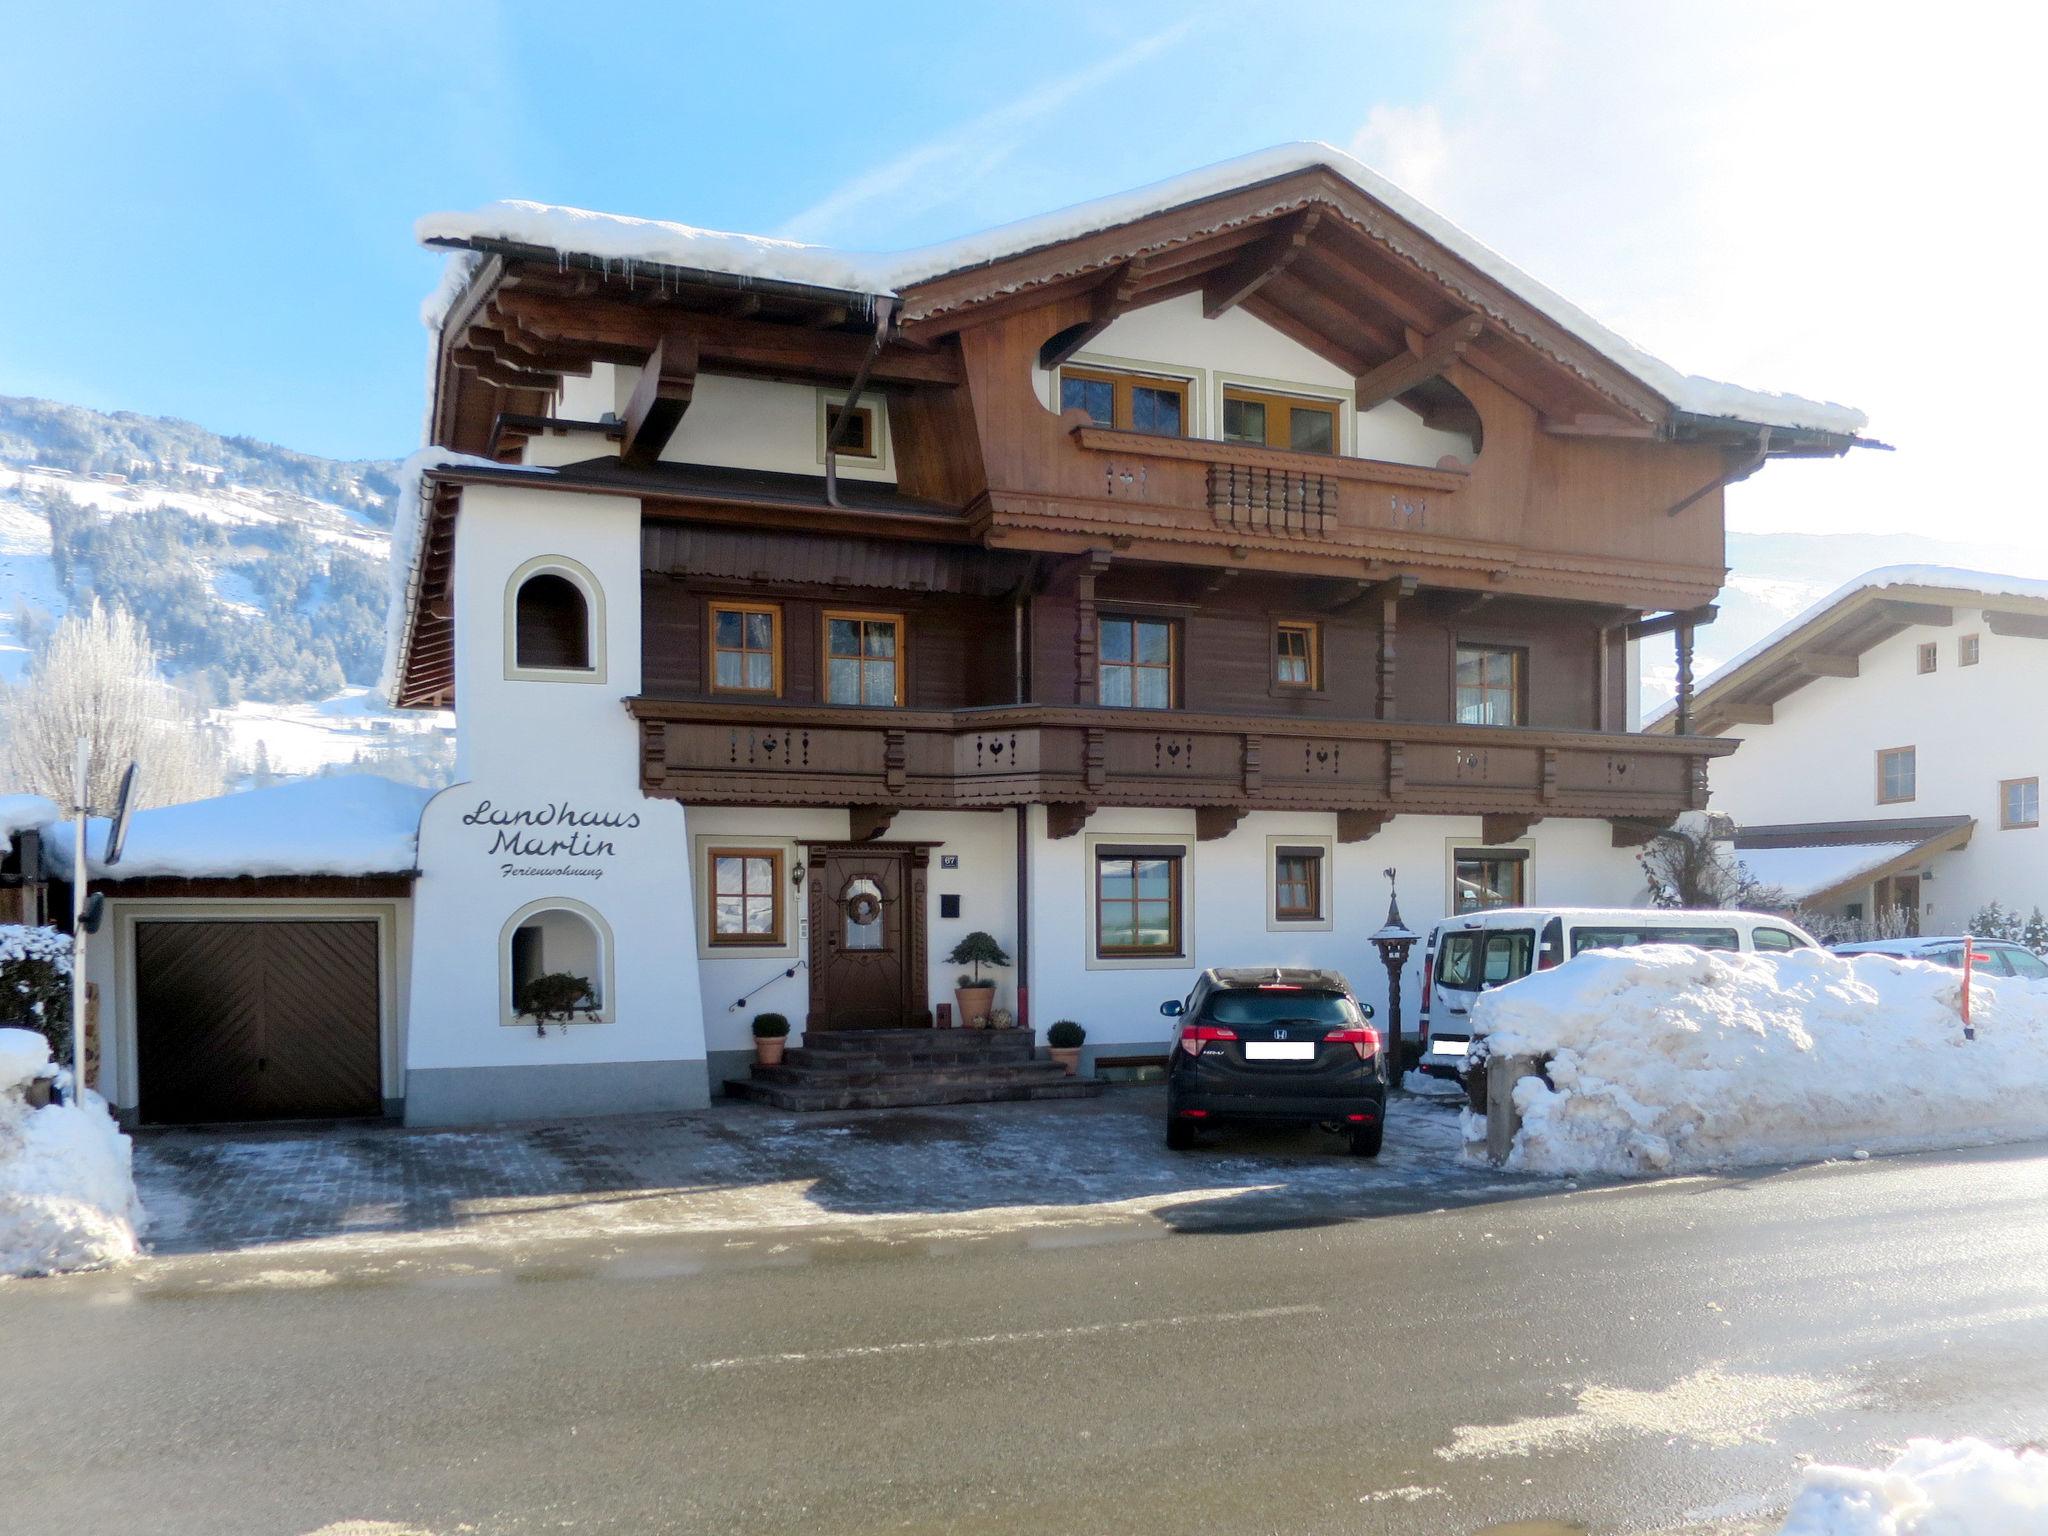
(257, 1019)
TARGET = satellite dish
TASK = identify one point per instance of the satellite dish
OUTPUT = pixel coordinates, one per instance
(95, 912)
(117, 834)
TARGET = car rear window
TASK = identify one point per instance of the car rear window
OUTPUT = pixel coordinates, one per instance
(1270, 1005)
(1474, 959)
(1616, 936)
(2028, 964)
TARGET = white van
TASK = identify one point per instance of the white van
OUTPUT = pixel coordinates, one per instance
(1482, 950)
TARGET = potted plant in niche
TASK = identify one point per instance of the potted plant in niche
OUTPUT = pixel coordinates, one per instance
(1063, 1042)
(771, 1035)
(556, 998)
(972, 993)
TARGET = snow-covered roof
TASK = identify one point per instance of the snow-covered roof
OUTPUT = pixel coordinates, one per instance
(345, 824)
(610, 237)
(1803, 873)
(18, 813)
(1927, 578)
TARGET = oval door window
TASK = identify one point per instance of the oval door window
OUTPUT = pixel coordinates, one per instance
(862, 903)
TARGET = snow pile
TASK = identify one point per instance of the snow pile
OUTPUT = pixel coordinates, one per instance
(343, 824)
(1676, 1058)
(18, 813)
(629, 241)
(1937, 1488)
(67, 1192)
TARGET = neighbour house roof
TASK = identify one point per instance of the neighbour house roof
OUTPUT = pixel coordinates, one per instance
(1827, 639)
(1822, 861)
(21, 813)
(343, 824)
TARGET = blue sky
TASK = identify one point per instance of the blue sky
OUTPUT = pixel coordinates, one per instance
(206, 210)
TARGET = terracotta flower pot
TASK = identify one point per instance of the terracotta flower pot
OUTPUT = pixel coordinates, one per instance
(1068, 1056)
(974, 1005)
(768, 1049)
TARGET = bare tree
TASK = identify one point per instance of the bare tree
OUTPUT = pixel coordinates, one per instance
(98, 679)
(1690, 867)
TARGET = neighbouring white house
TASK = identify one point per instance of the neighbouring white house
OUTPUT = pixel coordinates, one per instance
(1892, 748)
(1137, 584)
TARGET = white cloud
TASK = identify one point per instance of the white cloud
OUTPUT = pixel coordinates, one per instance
(1830, 199)
(935, 171)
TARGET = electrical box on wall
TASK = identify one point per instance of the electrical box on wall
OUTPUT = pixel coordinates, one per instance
(949, 906)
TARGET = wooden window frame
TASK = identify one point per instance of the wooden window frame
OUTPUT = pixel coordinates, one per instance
(1280, 408)
(1177, 947)
(1173, 659)
(862, 616)
(776, 889)
(1314, 630)
(861, 445)
(1928, 658)
(2005, 787)
(1969, 650)
(1517, 857)
(713, 607)
(1122, 414)
(1313, 858)
(1882, 754)
(1518, 684)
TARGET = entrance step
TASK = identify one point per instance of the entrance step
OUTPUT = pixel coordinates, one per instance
(900, 1068)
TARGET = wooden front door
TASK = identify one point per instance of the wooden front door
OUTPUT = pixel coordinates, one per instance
(1903, 893)
(256, 1020)
(867, 937)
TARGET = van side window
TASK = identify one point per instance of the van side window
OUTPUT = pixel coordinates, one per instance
(1770, 940)
(1614, 937)
(1508, 956)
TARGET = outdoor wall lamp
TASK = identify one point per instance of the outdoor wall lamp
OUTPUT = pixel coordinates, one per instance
(797, 873)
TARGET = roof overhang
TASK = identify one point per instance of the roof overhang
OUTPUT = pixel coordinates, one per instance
(1827, 861)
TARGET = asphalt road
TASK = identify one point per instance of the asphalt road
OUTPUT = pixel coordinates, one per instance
(1656, 1357)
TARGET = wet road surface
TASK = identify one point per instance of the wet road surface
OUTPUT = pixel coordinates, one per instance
(1649, 1358)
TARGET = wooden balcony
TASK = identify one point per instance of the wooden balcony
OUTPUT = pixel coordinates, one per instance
(717, 753)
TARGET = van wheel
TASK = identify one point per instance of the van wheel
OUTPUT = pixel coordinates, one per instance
(1365, 1141)
(1180, 1136)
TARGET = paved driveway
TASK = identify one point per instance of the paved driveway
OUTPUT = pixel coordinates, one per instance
(968, 1168)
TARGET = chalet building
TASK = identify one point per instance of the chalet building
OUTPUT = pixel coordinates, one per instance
(1891, 756)
(1137, 584)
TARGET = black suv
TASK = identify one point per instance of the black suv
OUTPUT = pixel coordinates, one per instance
(1285, 1045)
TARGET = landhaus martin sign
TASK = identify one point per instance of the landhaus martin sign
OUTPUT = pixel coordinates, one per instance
(567, 840)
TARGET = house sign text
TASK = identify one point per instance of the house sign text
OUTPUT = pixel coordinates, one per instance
(556, 831)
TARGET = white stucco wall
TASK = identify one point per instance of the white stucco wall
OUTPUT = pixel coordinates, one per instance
(1971, 727)
(1235, 348)
(535, 748)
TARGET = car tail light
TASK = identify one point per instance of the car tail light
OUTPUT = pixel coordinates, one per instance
(1364, 1038)
(1356, 1118)
(1194, 1114)
(1193, 1037)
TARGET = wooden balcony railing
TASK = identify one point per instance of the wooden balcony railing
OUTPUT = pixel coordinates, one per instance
(718, 753)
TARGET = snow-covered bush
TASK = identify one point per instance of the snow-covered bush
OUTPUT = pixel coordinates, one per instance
(1996, 921)
(67, 1186)
(35, 983)
(1673, 1058)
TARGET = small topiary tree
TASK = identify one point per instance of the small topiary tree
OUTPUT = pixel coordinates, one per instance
(770, 1026)
(1065, 1034)
(556, 997)
(35, 984)
(977, 949)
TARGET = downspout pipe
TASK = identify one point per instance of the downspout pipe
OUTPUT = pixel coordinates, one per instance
(885, 320)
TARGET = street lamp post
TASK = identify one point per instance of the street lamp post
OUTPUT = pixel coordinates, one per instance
(1394, 941)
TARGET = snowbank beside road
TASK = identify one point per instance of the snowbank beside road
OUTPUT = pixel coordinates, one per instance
(1937, 1488)
(1672, 1058)
(67, 1194)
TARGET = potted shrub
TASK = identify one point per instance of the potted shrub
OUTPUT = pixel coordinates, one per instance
(972, 993)
(1063, 1041)
(771, 1035)
(556, 998)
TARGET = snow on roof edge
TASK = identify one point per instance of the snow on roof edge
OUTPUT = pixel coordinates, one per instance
(616, 237)
(1938, 577)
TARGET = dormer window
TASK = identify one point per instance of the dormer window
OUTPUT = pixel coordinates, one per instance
(554, 623)
(1130, 402)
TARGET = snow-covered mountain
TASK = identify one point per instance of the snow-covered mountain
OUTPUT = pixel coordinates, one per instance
(259, 572)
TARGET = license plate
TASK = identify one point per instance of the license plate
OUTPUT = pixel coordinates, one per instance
(1450, 1047)
(1279, 1050)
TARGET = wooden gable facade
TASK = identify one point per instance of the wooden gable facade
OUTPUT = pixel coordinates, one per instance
(1308, 609)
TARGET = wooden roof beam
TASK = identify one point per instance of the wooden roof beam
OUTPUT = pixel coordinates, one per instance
(1664, 624)
(2024, 626)
(1425, 359)
(1110, 298)
(655, 409)
(1259, 264)
(1826, 664)
(1906, 614)
(1746, 714)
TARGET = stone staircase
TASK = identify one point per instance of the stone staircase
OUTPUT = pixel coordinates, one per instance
(898, 1068)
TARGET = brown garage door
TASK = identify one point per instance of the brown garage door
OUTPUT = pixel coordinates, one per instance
(256, 1020)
